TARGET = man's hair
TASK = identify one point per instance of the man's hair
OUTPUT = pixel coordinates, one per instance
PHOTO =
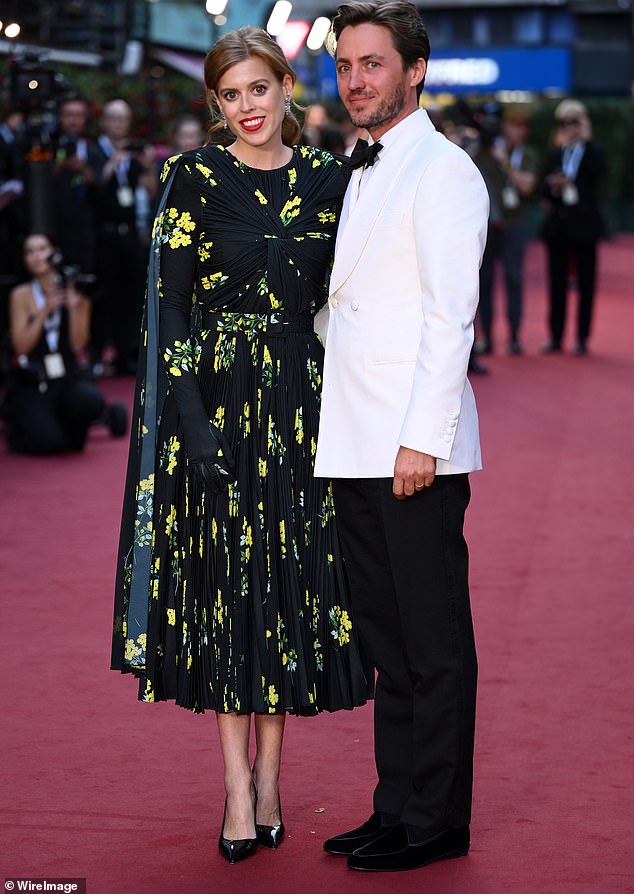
(400, 17)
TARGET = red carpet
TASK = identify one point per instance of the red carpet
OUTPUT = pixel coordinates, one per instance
(129, 796)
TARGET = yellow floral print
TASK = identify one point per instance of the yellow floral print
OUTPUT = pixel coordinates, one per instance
(234, 543)
(340, 624)
(215, 279)
(170, 521)
(207, 173)
(174, 447)
(291, 209)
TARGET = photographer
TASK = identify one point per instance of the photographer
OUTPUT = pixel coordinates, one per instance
(509, 168)
(574, 223)
(50, 402)
(76, 170)
(127, 179)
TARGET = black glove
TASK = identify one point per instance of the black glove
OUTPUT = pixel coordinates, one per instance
(215, 469)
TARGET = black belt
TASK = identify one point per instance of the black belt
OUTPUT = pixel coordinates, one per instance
(276, 324)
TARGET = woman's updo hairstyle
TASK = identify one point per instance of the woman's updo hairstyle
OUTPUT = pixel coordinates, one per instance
(236, 46)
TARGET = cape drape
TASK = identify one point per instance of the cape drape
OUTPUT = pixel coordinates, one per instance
(133, 566)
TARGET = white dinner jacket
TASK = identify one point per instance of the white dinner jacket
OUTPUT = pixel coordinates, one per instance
(398, 326)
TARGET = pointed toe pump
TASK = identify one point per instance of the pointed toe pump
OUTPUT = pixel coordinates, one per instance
(235, 850)
(270, 836)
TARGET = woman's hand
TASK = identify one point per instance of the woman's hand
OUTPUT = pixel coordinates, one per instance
(216, 470)
(72, 298)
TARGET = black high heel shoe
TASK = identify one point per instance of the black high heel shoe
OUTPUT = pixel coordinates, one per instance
(270, 836)
(237, 849)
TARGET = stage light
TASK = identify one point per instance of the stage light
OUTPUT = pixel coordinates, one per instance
(318, 32)
(12, 30)
(279, 17)
(216, 7)
(292, 38)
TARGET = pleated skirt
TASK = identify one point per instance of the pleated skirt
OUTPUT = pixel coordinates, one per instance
(249, 604)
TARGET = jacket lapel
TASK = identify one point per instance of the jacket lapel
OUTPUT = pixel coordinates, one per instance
(361, 211)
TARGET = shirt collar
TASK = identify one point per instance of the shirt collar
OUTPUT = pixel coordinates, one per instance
(391, 136)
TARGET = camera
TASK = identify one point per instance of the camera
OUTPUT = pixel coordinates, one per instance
(486, 120)
(72, 273)
(36, 90)
(33, 86)
(135, 147)
(68, 150)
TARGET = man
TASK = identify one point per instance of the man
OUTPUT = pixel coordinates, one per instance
(127, 179)
(509, 168)
(399, 433)
(76, 171)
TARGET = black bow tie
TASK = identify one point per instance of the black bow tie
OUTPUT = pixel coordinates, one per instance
(363, 154)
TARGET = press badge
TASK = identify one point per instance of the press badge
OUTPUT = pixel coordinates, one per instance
(570, 194)
(125, 196)
(54, 366)
(510, 198)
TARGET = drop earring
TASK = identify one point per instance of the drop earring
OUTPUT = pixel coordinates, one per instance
(287, 105)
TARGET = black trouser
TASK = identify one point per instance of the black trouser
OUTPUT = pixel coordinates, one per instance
(407, 564)
(53, 421)
(507, 245)
(584, 254)
(117, 313)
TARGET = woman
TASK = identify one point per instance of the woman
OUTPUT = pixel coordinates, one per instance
(573, 224)
(49, 403)
(224, 525)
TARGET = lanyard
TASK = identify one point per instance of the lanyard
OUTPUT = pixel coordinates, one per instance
(52, 322)
(571, 159)
(515, 159)
(121, 171)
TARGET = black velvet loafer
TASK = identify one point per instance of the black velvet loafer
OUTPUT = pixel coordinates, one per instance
(347, 843)
(393, 852)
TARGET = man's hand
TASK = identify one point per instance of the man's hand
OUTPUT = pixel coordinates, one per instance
(413, 471)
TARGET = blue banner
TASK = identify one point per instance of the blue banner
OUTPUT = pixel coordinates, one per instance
(468, 70)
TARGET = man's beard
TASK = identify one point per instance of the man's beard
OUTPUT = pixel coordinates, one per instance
(390, 107)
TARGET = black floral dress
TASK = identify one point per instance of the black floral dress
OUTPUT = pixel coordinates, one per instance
(236, 602)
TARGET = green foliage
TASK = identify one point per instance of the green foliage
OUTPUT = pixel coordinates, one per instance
(156, 97)
(155, 101)
(613, 127)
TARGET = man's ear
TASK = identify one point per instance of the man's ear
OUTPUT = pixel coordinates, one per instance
(418, 71)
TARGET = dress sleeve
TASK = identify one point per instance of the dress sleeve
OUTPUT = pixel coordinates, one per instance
(180, 227)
